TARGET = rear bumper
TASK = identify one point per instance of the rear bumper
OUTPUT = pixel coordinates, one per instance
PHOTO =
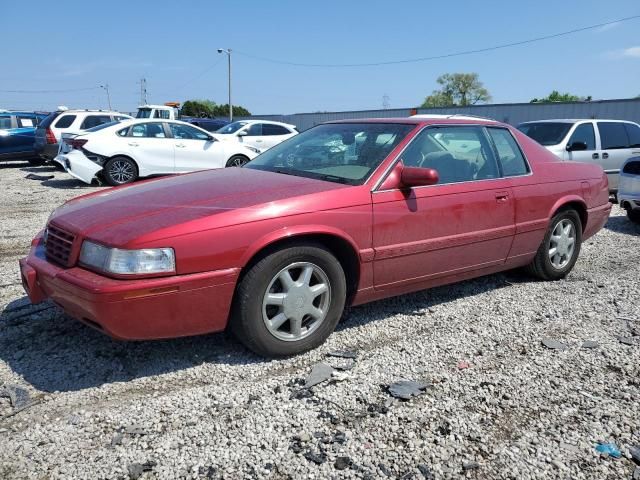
(597, 218)
(47, 151)
(79, 166)
(146, 309)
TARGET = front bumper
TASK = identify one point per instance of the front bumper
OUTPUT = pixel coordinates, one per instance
(166, 307)
(79, 166)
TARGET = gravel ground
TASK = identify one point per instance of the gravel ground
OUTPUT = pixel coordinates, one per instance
(499, 403)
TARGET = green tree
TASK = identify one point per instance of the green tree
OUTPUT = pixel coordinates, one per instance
(556, 96)
(458, 89)
(198, 108)
(223, 111)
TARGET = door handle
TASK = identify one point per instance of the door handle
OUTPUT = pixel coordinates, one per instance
(180, 145)
(502, 196)
(133, 144)
(595, 156)
(258, 141)
(605, 155)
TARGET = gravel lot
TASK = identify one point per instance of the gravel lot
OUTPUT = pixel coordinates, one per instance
(499, 405)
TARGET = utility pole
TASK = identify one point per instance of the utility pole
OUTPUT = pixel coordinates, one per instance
(106, 88)
(228, 52)
(385, 101)
(143, 91)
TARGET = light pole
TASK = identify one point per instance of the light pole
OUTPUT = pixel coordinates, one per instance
(228, 52)
(106, 87)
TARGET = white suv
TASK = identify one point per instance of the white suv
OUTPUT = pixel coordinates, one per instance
(48, 140)
(608, 143)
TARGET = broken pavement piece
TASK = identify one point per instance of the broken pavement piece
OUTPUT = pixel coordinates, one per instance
(342, 463)
(343, 354)
(137, 469)
(348, 364)
(462, 365)
(610, 449)
(554, 344)
(33, 176)
(405, 389)
(590, 344)
(317, 458)
(470, 466)
(635, 454)
(18, 396)
(320, 372)
(626, 340)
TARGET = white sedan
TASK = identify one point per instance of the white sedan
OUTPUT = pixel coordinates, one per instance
(260, 134)
(121, 152)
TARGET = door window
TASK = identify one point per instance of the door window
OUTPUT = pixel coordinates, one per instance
(509, 154)
(149, 130)
(65, 121)
(25, 122)
(458, 154)
(162, 114)
(270, 129)
(633, 132)
(186, 132)
(255, 130)
(94, 120)
(584, 133)
(5, 122)
(613, 135)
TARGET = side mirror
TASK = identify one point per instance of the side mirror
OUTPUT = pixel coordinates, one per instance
(418, 177)
(211, 139)
(242, 133)
(576, 147)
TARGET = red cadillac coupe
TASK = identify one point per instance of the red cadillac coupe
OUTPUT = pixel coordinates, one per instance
(341, 214)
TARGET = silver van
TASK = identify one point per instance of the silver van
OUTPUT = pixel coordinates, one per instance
(609, 143)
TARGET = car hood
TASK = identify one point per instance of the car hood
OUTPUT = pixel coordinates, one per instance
(129, 215)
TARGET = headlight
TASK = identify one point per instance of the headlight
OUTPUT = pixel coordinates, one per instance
(253, 149)
(127, 262)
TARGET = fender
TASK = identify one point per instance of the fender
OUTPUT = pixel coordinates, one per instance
(565, 199)
(286, 233)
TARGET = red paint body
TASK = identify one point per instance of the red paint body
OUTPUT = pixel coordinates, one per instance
(218, 220)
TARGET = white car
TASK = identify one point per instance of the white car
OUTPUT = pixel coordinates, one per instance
(607, 143)
(629, 188)
(122, 152)
(68, 123)
(260, 134)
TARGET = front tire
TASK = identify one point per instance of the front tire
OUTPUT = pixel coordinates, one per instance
(560, 248)
(290, 301)
(633, 214)
(120, 171)
(237, 161)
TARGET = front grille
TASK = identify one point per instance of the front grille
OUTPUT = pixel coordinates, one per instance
(59, 245)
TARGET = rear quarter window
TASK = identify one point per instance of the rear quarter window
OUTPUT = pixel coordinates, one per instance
(613, 135)
(64, 121)
(5, 122)
(509, 153)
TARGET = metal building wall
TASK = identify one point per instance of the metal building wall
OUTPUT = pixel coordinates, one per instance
(512, 113)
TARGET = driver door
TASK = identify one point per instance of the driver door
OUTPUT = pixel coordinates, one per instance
(465, 222)
(195, 150)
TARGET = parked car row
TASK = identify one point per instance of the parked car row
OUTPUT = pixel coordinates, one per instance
(342, 214)
(17, 135)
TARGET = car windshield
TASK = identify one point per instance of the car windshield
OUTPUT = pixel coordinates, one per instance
(144, 113)
(232, 127)
(100, 127)
(340, 152)
(546, 133)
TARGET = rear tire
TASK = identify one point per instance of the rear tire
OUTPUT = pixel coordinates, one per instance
(120, 171)
(237, 161)
(634, 214)
(289, 302)
(565, 236)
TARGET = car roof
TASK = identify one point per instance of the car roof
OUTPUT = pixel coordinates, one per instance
(575, 120)
(83, 110)
(425, 120)
(272, 122)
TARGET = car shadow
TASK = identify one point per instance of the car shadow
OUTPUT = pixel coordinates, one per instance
(67, 184)
(55, 353)
(621, 224)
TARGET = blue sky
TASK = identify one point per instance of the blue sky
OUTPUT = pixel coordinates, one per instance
(173, 45)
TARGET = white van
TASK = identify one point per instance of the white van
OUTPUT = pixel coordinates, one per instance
(608, 143)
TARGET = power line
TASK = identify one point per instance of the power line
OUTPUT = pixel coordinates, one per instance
(69, 90)
(446, 55)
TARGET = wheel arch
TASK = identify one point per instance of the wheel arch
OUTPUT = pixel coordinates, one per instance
(341, 245)
(571, 202)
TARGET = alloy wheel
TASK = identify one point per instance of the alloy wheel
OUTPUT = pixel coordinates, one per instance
(562, 243)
